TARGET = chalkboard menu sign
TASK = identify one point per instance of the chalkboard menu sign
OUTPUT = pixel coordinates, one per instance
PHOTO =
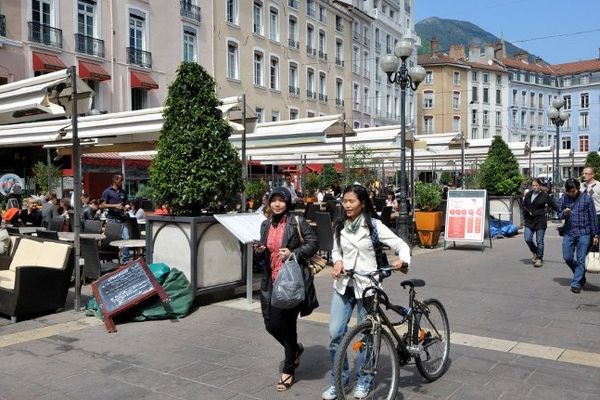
(125, 287)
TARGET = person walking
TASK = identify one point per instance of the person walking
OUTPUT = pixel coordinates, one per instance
(581, 230)
(49, 210)
(279, 239)
(592, 187)
(353, 249)
(114, 199)
(534, 215)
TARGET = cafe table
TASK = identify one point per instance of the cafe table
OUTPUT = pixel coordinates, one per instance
(136, 245)
(70, 236)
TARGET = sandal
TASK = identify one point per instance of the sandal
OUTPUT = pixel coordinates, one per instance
(285, 384)
(298, 354)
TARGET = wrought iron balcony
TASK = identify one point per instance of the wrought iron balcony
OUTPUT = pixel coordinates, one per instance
(293, 43)
(323, 18)
(378, 47)
(339, 102)
(311, 51)
(311, 95)
(366, 41)
(294, 90)
(322, 97)
(322, 55)
(339, 27)
(139, 57)
(2, 25)
(293, 3)
(310, 10)
(188, 10)
(89, 45)
(45, 34)
(339, 62)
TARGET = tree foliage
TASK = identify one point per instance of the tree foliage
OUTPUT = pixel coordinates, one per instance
(593, 160)
(329, 176)
(499, 173)
(196, 166)
(428, 196)
(360, 166)
(446, 178)
(312, 183)
(40, 171)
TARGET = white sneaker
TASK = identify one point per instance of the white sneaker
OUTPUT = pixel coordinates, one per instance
(361, 391)
(329, 394)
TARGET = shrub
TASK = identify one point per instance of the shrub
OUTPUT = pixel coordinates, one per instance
(499, 173)
(593, 160)
(428, 196)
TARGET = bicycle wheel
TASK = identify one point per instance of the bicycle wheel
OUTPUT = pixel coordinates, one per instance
(432, 331)
(369, 357)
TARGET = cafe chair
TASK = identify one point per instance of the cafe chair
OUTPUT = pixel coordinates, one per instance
(310, 211)
(56, 224)
(324, 233)
(386, 215)
(133, 227)
(92, 226)
(112, 231)
(43, 234)
(36, 278)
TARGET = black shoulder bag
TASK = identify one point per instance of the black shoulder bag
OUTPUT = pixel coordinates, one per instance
(380, 256)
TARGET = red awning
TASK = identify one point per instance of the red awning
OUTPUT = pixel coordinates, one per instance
(92, 71)
(318, 168)
(141, 80)
(47, 62)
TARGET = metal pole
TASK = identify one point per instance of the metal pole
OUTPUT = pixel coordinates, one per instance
(530, 144)
(402, 221)
(244, 158)
(49, 165)
(343, 145)
(556, 171)
(462, 160)
(572, 172)
(72, 73)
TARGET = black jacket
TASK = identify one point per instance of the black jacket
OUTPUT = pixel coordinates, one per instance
(303, 252)
(534, 213)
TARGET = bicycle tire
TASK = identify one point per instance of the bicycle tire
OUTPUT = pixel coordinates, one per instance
(432, 361)
(387, 363)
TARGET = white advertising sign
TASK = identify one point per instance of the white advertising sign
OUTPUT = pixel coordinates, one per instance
(465, 215)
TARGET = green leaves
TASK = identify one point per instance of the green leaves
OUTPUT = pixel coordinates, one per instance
(196, 165)
(428, 196)
(593, 160)
(499, 174)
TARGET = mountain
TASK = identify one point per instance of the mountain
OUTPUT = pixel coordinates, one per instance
(451, 31)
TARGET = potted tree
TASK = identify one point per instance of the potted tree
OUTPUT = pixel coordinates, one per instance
(428, 217)
(312, 183)
(255, 189)
(195, 172)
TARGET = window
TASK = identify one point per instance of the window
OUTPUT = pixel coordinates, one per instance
(474, 119)
(486, 118)
(456, 124)
(585, 79)
(474, 76)
(339, 23)
(259, 114)
(355, 97)
(567, 81)
(366, 109)
(356, 60)
(428, 99)
(310, 83)
(486, 133)
(310, 114)
(498, 79)
(429, 77)
(498, 118)
(486, 95)
(584, 100)
(274, 116)
(189, 44)
(339, 52)
(322, 86)
(367, 70)
(274, 24)
(258, 68)
(293, 78)
(136, 37)
(322, 14)
(532, 100)
(138, 99)
(584, 122)
(85, 21)
(292, 31)
(257, 19)
(322, 44)
(567, 100)
(486, 78)
(232, 9)
(274, 73)
(566, 142)
(541, 101)
(293, 113)
(339, 92)
(474, 133)
(514, 100)
(356, 125)
(498, 96)
(456, 79)
(428, 123)
(455, 100)
(233, 69)
(584, 143)
(475, 93)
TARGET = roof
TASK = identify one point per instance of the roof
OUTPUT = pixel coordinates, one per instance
(527, 66)
(577, 67)
(490, 67)
(440, 58)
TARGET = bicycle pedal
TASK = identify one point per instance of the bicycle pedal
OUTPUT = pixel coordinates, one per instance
(414, 350)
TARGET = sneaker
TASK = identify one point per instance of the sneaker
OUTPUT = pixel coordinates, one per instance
(361, 391)
(538, 263)
(534, 257)
(575, 289)
(329, 394)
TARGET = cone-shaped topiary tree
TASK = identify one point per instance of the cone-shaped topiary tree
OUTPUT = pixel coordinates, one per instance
(499, 174)
(196, 166)
(593, 160)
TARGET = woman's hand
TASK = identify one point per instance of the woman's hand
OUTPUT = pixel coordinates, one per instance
(595, 241)
(399, 265)
(338, 268)
(259, 248)
(284, 253)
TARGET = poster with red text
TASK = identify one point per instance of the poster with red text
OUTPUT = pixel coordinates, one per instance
(465, 215)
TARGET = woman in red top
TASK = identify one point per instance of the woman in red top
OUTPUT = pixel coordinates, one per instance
(279, 238)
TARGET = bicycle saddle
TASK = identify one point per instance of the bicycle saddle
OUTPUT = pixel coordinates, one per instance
(413, 283)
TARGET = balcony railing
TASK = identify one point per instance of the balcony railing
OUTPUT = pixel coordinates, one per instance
(322, 97)
(139, 57)
(293, 43)
(378, 47)
(356, 68)
(311, 95)
(189, 10)
(323, 18)
(293, 3)
(339, 62)
(2, 25)
(367, 110)
(356, 35)
(367, 41)
(311, 51)
(339, 102)
(339, 27)
(294, 90)
(322, 55)
(89, 45)
(45, 34)
(310, 10)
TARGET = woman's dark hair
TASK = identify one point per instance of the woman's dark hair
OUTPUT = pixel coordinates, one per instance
(363, 196)
(571, 184)
(537, 180)
(135, 204)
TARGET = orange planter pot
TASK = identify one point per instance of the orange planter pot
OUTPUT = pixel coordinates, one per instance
(429, 224)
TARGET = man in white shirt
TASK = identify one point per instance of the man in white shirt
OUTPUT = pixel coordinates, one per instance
(290, 187)
(592, 187)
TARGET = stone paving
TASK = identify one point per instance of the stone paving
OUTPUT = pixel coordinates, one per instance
(546, 341)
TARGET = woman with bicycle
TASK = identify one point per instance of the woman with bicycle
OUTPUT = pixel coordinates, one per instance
(280, 238)
(355, 236)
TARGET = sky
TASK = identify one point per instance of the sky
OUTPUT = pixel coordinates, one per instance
(529, 24)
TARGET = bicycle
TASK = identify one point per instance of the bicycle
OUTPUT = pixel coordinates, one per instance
(375, 351)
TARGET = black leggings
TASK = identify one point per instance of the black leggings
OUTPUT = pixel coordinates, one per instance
(283, 326)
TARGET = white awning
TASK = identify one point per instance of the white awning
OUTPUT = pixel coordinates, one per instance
(45, 96)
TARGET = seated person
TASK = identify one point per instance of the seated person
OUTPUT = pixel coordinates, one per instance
(30, 215)
(135, 210)
(92, 211)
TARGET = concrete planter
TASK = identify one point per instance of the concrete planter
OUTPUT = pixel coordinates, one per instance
(207, 253)
(429, 225)
(506, 208)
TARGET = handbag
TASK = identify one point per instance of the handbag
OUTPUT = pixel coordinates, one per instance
(380, 256)
(316, 263)
(592, 261)
(288, 288)
(562, 229)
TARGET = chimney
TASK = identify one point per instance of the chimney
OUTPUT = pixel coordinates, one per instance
(457, 51)
(434, 44)
(539, 60)
(521, 56)
(500, 51)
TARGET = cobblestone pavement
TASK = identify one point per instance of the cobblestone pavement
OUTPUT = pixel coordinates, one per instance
(517, 333)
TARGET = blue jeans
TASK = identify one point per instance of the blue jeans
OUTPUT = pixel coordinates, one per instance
(538, 247)
(339, 317)
(575, 248)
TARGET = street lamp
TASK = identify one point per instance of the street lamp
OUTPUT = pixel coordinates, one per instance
(558, 117)
(406, 78)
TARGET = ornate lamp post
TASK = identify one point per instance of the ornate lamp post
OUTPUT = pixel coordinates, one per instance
(406, 78)
(558, 118)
